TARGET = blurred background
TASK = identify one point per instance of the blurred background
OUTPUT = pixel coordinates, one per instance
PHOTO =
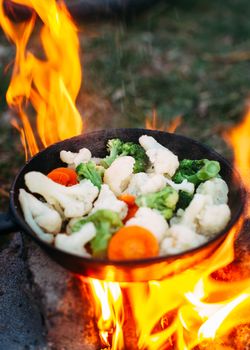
(174, 59)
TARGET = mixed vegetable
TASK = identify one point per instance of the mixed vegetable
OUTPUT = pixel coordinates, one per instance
(138, 202)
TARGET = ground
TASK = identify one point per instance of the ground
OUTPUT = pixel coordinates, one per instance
(190, 60)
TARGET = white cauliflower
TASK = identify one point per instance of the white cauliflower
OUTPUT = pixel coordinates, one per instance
(142, 183)
(180, 238)
(96, 160)
(107, 200)
(183, 186)
(163, 160)
(136, 183)
(197, 205)
(213, 219)
(151, 220)
(74, 159)
(75, 200)
(75, 243)
(203, 216)
(216, 188)
(118, 175)
(43, 220)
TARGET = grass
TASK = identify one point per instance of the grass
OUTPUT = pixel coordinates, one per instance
(180, 58)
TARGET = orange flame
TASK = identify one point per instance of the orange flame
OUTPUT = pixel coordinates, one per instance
(190, 308)
(51, 85)
(184, 310)
(238, 138)
(110, 319)
(152, 123)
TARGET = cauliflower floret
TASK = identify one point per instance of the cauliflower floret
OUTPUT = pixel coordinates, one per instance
(75, 242)
(136, 183)
(154, 183)
(40, 216)
(118, 175)
(213, 219)
(151, 220)
(142, 183)
(180, 238)
(163, 160)
(216, 188)
(74, 200)
(107, 200)
(202, 216)
(74, 159)
(183, 186)
(191, 214)
(96, 160)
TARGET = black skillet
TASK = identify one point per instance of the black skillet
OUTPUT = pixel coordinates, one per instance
(137, 270)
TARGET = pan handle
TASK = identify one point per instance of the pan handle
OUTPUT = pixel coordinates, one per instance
(7, 223)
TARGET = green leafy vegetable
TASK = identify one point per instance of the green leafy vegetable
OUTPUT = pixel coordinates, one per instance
(164, 201)
(196, 171)
(184, 199)
(106, 222)
(118, 148)
(91, 172)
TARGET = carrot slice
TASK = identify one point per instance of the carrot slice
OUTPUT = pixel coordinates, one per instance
(131, 212)
(64, 176)
(129, 199)
(132, 242)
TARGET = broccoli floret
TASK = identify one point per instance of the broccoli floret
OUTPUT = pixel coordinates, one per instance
(114, 147)
(106, 222)
(196, 171)
(118, 148)
(164, 201)
(91, 172)
(184, 199)
(138, 153)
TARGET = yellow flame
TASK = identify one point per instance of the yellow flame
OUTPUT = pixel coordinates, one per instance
(50, 85)
(109, 312)
(238, 138)
(180, 312)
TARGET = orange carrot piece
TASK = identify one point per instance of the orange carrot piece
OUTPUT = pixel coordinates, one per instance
(131, 212)
(129, 199)
(132, 242)
(63, 176)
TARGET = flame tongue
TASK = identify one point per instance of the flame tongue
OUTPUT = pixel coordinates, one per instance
(50, 85)
(182, 312)
(190, 310)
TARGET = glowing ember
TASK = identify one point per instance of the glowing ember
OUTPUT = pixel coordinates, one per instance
(153, 123)
(50, 85)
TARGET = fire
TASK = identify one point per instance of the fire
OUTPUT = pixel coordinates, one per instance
(188, 310)
(109, 306)
(238, 138)
(181, 312)
(152, 123)
(50, 85)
